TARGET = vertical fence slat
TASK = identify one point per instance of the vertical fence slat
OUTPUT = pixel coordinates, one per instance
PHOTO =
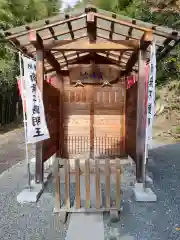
(67, 183)
(102, 145)
(99, 145)
(58, 190)
(77, 177)
(57, 197)
(111, 146)
(87, 183)
(108, 146)
(81, 144)
(118, 176)
(97, 175)
(107, 173)
(75, 144)
(72, 144)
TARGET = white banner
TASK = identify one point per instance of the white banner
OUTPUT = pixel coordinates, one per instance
(36, 124)
(151, 94)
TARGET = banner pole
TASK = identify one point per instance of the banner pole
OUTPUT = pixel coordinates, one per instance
(25, 124)
(148, 142)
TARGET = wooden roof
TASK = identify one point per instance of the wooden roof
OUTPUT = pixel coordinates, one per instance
(79, 36)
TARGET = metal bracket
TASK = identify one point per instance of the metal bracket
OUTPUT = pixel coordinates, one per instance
(106, 83)
(78, 83)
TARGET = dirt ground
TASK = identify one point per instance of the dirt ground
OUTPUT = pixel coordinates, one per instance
(166, 127)
(12, 147)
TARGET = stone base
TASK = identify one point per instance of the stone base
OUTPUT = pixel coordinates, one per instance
(142, 194)
(149, 179)
(85, 226)
(30, 195)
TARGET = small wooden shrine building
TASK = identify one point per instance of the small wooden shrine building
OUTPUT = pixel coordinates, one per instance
(90, 112)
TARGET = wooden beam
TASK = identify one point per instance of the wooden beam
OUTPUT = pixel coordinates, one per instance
(134, 44)
(120, 56)
(61, 114)
(39, 176)
(91, 27)
(120, 34)
(60, 58)
(70, 29)
(130, 43)
(58, 23)
(145, 42)
(57, 35)
(58, 43)
(111, 31)
(129, 24)
(37, 41)
(141, 117)
(86, 59)
(51, 30)
(94, 47)
(15, 42)
(65, 58)
(112, 27)
(52, 60)
(69, 26)
(161, 52)
(58, 54)
(91, 32)
(127, 38)
(53, 73)
(91, 127)
(130, 30)
(97, 59)
(121, 22)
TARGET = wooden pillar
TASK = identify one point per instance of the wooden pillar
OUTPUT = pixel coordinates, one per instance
(91, 32)
(61, 115)
(92, 123)
(36, 40)
(39, 176)
(141, 117)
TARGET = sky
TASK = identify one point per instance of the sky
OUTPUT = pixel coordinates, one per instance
(68, 2)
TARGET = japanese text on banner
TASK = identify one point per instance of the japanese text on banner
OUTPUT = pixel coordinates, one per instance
(151, 93)
(36, 124)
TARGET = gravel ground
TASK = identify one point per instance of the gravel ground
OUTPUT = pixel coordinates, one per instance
(26, 221)
(152, 221)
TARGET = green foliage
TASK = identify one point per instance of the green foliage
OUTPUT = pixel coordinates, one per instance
(168, 68)
(15, 13)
